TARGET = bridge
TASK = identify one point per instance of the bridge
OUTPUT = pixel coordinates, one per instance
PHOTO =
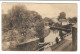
(59, 28)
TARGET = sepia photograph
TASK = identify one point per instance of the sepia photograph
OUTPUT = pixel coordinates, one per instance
(39, 26)
(40, 0)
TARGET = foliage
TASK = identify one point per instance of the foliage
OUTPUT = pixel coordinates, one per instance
(22, 20)
(48, 21)
(40, 29)
(72, 20)
(62, 16)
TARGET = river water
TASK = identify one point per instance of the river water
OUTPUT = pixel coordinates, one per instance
(52, 36)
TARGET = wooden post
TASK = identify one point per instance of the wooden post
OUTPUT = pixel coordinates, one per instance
(60, 32)
(74, 38)
(41, 44)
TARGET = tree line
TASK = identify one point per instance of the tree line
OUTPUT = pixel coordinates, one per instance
(20, 24)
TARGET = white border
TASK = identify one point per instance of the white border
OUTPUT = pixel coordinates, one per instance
(44, 52)
(42, 1)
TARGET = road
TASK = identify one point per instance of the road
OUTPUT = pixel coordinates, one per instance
(65, 45)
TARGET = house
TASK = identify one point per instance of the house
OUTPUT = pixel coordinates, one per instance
(65, 22)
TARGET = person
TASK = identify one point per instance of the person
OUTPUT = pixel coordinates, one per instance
(57, 40)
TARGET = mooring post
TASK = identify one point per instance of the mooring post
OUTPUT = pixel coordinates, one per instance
(74, 38)
(41, 43)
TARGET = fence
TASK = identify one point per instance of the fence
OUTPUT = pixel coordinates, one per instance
(46, 45)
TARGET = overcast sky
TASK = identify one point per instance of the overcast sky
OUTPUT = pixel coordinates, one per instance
(46, 10)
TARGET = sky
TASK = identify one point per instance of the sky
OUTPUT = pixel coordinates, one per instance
(50, 10)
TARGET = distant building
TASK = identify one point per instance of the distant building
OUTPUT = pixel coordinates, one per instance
(65, 22)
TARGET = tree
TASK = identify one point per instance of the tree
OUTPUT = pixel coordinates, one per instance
(75, 19)
(48, 21)
(72, 20)
(40, 29)
(5, 22)
(22, 20)
(61, 18)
